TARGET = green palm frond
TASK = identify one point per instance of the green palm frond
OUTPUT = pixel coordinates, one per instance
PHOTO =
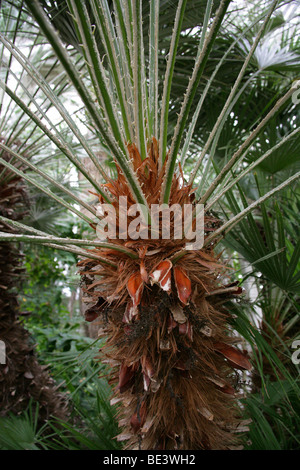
(117, 99)
(268, 243)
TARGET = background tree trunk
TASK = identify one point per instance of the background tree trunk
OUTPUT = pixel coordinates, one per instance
(22, 378)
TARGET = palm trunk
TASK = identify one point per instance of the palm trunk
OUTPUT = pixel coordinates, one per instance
(22, 379)
(168, 342)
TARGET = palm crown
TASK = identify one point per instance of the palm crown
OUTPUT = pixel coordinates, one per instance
(165, 309)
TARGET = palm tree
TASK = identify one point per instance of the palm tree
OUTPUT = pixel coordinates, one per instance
(165, 309)
(23, 380)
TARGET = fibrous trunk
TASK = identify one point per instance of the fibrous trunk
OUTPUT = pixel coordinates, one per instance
(22, 379)
(168, 345)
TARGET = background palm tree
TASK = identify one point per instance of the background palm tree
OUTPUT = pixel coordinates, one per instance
(127, 107)
(23, 378)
